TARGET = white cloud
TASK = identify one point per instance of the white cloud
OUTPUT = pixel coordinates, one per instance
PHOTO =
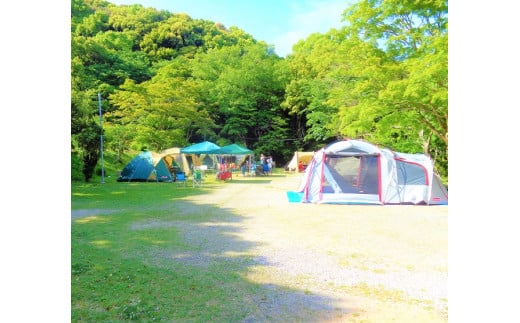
(312, 17)
(284, 43)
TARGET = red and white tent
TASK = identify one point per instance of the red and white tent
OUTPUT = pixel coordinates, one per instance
(357, 172)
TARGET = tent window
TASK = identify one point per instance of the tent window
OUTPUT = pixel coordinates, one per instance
(346, 166)
(368, 175)
(354, 174)
(410, 174)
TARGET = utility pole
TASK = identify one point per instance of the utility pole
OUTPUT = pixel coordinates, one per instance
(101, 139)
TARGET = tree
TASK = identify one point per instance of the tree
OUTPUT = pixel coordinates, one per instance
(382, 78)
(401, 27)
(84, 129)
(411, 110)
(162, 111)
(170, 80)
(331, 73)
(244, 85)
(89, 140)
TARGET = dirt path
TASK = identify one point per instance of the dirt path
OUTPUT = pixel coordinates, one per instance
(364, 263)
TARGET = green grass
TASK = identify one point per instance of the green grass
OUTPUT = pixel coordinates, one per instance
(133, 259)
(115, 272)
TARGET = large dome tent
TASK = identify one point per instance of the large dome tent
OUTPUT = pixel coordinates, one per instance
(147, 166)
(358, 172)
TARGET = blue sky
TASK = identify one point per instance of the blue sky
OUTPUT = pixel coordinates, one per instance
(277, 22)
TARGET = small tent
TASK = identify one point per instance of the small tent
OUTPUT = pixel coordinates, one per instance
(175, 160)
(147, 166)
(357, 172)
(299, 161)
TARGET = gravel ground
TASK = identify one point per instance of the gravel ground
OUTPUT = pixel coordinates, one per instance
(304, 279)
(250, 231)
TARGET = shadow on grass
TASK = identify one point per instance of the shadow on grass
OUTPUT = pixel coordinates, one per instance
(178, 261)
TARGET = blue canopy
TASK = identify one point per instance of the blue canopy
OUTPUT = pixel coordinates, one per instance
(205, 147)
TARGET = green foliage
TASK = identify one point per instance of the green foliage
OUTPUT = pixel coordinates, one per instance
(117, 139)
(135, 20)
(160, 113)
(244, 89)
(401, 27)
(338, 71)
(76, 167)
(169, 80)
(79, 10)
(89, 141)
(92, 24)
(383, 78)
(409, 110)
(164, 41)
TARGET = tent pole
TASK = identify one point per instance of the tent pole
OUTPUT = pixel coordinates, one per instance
(101, 139)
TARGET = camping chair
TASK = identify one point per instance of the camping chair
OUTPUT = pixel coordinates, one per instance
(197, 178)
(181, 178)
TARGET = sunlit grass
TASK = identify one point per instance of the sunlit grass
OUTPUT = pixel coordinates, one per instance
(119, 275)
(132, 261)
(92, 218)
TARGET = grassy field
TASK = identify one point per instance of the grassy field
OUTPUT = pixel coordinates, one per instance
(239, 252)
(110, 281)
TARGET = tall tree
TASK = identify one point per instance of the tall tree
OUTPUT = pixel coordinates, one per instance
(84, 129)
(162, 111)
(383, 78)
(331, 72)
(411, 110)
(244, 85)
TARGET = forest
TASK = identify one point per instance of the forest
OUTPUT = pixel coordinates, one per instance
(168, 80)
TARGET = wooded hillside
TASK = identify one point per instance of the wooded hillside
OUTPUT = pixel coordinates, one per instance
(168, 80)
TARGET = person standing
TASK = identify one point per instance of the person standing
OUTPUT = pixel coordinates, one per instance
(262, 159)
(263, 164)
(244, 167)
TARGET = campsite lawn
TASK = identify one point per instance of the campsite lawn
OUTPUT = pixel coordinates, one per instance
(238, 251)
(114, 276)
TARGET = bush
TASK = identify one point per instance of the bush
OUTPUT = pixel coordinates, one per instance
(76, 171)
